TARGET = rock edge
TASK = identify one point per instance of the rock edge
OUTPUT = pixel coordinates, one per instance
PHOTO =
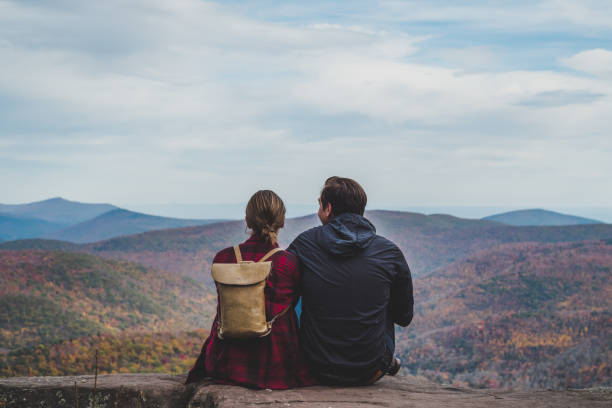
(168, 391)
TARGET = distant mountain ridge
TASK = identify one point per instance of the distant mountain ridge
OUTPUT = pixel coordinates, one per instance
(14, 227)
(429, 242)
(61, 219)
(539, 217)
(57, 210)
(119, 222)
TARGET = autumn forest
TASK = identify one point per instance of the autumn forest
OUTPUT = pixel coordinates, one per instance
(496, 305)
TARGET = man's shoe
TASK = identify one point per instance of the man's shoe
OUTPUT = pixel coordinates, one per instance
(395, 366)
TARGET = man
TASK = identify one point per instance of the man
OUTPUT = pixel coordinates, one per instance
(355, 286)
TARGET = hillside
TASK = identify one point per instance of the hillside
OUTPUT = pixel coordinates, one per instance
(539, 217)
(57, 210)
(47, 297)
(429, 242)
(14, 227)
(159, 352)
(42, 244)
(509, 312)
(184, 251)
(119, 222)
(523, 315)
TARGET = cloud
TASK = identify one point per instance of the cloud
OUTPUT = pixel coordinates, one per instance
(597, 62)
(181, 60)
(185, 61)
(400, 92)
(560, 98)
(182, 98)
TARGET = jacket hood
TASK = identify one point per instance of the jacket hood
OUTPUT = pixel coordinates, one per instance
(347, 234)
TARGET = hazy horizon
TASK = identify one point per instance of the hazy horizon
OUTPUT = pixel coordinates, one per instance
(234, 211)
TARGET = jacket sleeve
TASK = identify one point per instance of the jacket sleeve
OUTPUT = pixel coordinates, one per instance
(293, 247)
(402, 301)
(296, 246)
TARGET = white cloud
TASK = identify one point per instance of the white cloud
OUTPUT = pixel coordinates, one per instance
(208, 67)
(399, 91)
(169, 95)
(596, 62)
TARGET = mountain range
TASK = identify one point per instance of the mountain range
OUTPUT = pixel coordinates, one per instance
(539, 217)
(429, 242)
(496, 305)
(14, 227)
(119, 222)
(71, 221)
(57, 210)
(522, 315)
(61, 219)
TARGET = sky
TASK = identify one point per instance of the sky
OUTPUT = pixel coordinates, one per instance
(428, 104)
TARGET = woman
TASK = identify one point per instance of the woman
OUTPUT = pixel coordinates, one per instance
(274, 361)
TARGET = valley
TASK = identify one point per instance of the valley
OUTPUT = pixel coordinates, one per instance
(496, 305)
(525, 315)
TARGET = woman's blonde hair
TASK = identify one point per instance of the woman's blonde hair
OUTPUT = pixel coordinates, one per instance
(265, 215)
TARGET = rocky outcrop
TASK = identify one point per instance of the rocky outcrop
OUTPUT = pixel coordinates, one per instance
(168, 391)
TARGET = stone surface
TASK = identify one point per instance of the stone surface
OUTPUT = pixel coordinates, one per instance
(167, 391)
(117, 390)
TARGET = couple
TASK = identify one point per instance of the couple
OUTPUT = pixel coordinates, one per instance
(354, 285)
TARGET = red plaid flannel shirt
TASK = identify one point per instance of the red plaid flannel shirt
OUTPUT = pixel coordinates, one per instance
(274, 361)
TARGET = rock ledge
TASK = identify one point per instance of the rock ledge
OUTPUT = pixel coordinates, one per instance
(168, 391)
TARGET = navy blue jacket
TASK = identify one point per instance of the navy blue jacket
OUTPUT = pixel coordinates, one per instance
(355, 286)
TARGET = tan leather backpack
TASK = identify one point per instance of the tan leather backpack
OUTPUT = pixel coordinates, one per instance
(242, 301)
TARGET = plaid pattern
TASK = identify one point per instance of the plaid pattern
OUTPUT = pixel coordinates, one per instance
(274, 361)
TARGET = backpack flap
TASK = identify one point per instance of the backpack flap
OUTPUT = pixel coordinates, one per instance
(241, 274)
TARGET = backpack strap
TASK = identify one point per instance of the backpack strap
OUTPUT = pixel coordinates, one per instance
(266, 256)
(269, 254)
(237, 253)
(271, 322)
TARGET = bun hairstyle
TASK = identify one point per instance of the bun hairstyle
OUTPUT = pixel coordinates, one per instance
(265, 215)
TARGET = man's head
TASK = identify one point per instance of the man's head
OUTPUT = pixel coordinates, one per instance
(341, 195)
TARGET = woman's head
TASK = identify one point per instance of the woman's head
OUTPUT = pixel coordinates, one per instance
(265, 215)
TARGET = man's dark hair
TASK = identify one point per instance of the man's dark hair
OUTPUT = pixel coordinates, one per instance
(345, 196)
